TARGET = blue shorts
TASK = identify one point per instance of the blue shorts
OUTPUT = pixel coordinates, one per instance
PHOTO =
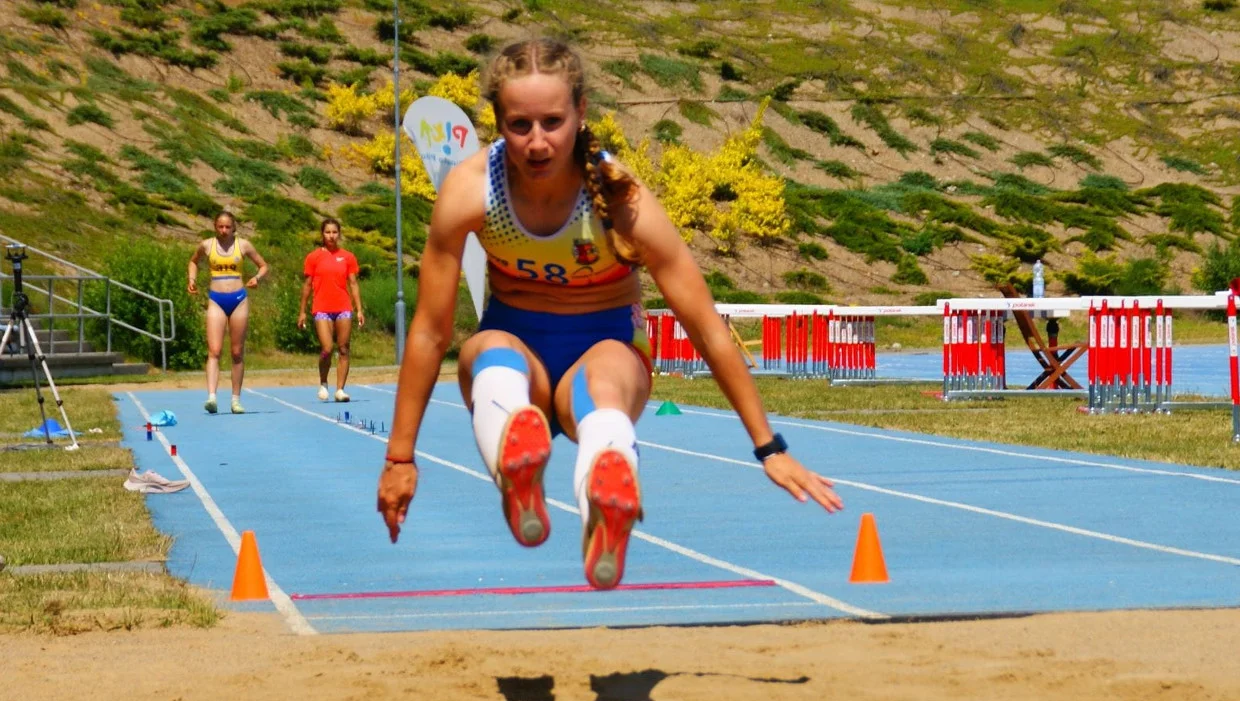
(228, 301)
(560, 340)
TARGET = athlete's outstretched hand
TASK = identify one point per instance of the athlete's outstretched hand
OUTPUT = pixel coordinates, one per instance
(787, 472)
(396, 487)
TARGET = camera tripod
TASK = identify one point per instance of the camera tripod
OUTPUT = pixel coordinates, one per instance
(19, 320)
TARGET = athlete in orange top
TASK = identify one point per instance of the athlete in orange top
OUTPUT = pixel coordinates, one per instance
(331, 272)
(564, 227)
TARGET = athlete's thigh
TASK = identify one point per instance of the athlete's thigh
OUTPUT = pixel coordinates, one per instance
(617, 378)
(217, 322)
(540, 382)
(238, 324)
(344, 330)
(323, 330)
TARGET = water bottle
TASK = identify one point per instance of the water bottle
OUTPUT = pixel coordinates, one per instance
(1039, 282)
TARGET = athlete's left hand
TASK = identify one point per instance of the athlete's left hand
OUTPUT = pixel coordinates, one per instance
(789, 473)
(252, 282)
(361, 319)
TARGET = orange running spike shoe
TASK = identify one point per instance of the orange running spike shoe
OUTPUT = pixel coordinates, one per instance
(525, 448)
(615, 504)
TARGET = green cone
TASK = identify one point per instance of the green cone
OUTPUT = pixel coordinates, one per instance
(668, 409)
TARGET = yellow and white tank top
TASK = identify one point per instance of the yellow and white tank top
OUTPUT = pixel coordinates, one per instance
(577, 255)
(225, 266)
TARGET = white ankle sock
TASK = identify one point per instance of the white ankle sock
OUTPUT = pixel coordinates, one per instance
(496, 392)
(597, 430)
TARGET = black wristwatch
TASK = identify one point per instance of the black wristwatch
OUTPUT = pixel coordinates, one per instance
(776, 446)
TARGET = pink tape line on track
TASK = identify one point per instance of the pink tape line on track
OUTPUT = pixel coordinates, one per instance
(513, 591)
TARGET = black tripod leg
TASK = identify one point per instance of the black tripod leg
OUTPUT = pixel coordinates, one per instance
(36, 352)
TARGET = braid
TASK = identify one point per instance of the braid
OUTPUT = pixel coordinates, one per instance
(605, 182)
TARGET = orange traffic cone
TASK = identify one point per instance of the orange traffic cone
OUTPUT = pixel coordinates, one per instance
(868, 565)
(248, 581)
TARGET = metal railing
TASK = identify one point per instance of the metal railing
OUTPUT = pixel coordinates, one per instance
(50, 289)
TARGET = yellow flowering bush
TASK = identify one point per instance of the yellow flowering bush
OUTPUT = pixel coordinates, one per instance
(379, 155)
(346, 109)
(686, 185)
(384, 101)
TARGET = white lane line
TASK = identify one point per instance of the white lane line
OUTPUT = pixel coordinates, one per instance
(977, 448)
(538, 612)
(979, 510)
(283, 603)
(798, 589)
(1166, 549)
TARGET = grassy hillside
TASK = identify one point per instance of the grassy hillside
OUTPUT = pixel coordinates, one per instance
(917, 148)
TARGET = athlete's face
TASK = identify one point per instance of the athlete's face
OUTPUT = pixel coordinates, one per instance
(331, 236)
(540, 123)
(224, 227)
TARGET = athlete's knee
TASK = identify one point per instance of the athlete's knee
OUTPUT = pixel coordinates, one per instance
(343, 349)
(325, 355)
(237, 357)
(500, 356)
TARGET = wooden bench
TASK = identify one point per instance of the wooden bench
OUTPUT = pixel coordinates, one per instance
(1054, 359)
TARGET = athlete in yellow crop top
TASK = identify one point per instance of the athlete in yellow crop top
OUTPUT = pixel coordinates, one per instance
(563, 225)
(227, 306)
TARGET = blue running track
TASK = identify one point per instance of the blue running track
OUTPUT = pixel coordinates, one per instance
(967, 528)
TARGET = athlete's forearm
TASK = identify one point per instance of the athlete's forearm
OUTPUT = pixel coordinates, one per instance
(357, 295)
(419, 370)
(305, 296)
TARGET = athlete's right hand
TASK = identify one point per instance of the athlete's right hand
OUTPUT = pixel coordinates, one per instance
(301, 320)
(192, 287)
(396, 487)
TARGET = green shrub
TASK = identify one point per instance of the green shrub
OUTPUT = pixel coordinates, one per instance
(798, 297)
(667, 131)
(284, 325)
(1219, 266)
(869, 114)
(624, 70)
(1075, 154)
(781, 150)
(301, 71)
(703, 48)
(46, 16)
(314, 53)
(729, 72)
(1029, 243)
(89, 112)
(480, 43)
(836, 169)
(1026, 159)
(930, 299)
(810, 250)
(982, 139)
(1186, 165)
(1103, 182)
(998, 270)
(697, 112)
(158, 271)
(318, 182)
(908, 272)
(1106, 276)
(806, 280)
(669, 72)
(282, 222)
(826, 126)
(1218, 5)
(948, 146)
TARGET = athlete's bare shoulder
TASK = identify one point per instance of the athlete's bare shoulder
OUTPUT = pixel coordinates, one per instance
(462, 201)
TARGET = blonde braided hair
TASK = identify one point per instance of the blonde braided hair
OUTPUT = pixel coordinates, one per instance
(606, 181)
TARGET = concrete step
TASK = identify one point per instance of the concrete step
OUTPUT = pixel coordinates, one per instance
(61, 347)
(16, 369)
